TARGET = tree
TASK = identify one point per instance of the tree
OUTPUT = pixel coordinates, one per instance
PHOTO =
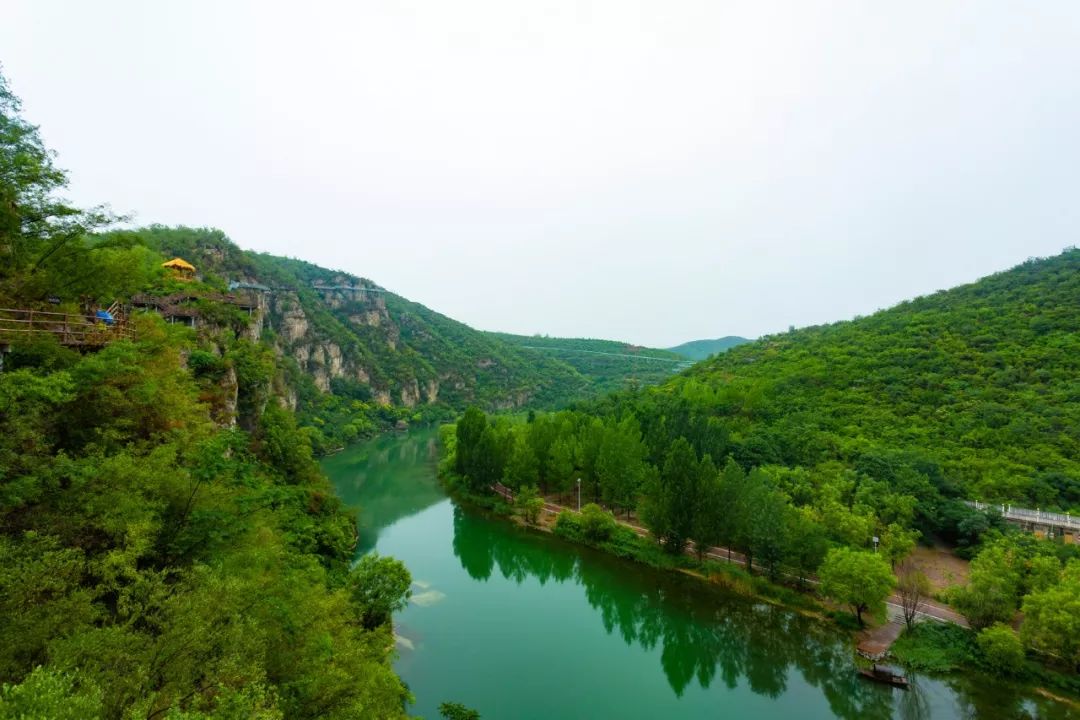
(470, 428)
(710, 519)
(806, 542)
(489, 462)
(36, 226)
(736, 527)
(856, 578)
(457, 711)
(620, 464)
(992, 590)
(897, 542)
(1002, 649)
(913, 587)
(49, 694)
(522, 468)
(770, 526)
(670, 514)
(378, 587)
(597, 523)
(1052, 617)
(561, 464)
(530, 503)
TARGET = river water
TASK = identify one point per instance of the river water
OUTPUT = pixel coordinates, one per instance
(521, 625)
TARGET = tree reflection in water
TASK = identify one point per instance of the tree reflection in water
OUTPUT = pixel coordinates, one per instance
(709, 635)
(702, 632)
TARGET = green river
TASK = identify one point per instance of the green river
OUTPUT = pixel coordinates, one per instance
(521, 625)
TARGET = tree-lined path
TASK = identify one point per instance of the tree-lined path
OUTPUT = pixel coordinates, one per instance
(927, 609)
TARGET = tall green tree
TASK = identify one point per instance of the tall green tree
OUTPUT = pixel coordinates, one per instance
(670, 513)
(36, 225)
(711, 516)
(469, 429)
(620, 464)
(1052, 618)
(993, 588)
(861, 580)
(523, 467)
(378, 587)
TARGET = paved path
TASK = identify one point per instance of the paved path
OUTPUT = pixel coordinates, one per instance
(928, 609)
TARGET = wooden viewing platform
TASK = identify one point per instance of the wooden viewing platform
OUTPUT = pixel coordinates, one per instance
(70, 329)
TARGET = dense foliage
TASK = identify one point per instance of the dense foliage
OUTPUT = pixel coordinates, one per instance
(356, 358)
(157, 560)
(606, 365)
(856, 436)
(703, 349)
(160, 563)
(969, 391)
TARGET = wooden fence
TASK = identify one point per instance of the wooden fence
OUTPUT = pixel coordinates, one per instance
(68, 328)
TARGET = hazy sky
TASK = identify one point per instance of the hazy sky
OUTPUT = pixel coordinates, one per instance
(648, 171)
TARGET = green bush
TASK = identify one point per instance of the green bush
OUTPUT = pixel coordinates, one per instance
(597, 524)
(568, 524)
(206, 364)
(936, 647)
(1002, 649)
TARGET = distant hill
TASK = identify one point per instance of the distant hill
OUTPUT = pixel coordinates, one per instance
(702, 349)
(606, 365)
(973, 390)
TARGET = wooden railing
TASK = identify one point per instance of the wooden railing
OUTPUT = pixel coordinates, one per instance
(68, 328)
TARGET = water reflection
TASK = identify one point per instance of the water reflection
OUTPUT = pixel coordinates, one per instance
(701, 634)
(707, 635)
(386, 480)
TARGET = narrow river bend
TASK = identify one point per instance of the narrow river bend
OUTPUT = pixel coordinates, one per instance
(519, 625)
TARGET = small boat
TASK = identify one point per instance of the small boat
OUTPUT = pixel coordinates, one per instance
(885, 674)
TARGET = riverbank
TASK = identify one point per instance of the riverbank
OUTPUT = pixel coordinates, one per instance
(722, 567)
(631, 542)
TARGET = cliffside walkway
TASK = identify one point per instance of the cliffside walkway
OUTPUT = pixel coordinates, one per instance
(70, 329)
(927, 609)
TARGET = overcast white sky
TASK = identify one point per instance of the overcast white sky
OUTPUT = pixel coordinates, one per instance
(647, 171)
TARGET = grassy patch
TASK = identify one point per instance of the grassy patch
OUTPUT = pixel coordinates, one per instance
(942, 648)
(937, 648)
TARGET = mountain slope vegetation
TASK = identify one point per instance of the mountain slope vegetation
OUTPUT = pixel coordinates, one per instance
(607, 365)
(703, 349)
(168, 546)
(980, 383)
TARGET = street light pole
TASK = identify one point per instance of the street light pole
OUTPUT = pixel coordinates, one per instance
(579, 494)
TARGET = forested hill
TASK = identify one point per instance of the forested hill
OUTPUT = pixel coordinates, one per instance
(607, 365)
(701, 349)
(974, 389)
(169, 547)
(354, 354)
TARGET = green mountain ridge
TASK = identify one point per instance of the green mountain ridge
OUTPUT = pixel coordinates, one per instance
(976, 388)
(703, 349)
(608, 365)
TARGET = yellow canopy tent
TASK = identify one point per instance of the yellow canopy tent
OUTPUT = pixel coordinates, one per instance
(180, 266)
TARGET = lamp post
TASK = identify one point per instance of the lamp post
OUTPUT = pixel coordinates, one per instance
(579, 494)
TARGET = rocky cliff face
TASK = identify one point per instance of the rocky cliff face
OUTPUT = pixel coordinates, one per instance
(346, 336)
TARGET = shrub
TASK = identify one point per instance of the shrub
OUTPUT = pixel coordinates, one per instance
(1002, 650)
(206, 364)
(568, 524)
(936, 647)
(597, 523)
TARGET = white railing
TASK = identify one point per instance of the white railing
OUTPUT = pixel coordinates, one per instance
(1066, 521)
